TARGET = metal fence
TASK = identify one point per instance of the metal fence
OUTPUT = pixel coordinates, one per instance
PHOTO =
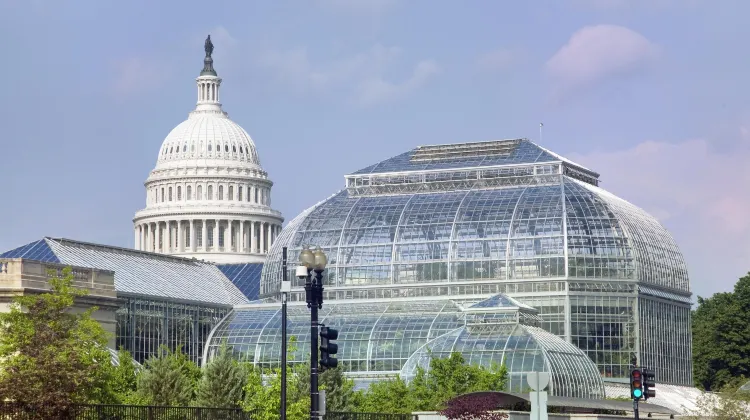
(10, 411)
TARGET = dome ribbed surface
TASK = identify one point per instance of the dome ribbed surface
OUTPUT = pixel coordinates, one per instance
(208, 136)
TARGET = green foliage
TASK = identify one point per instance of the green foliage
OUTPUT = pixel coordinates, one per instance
(429, 391)
(223, 381)
(124, 379)
(721, 339)
(265, 401)
(52, 356)
(390, 396)
(169, 379)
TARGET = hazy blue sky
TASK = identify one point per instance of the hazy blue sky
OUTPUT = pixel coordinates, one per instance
(653, 94)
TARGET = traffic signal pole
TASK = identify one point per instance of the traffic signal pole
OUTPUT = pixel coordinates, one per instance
(314, 395)
(635, 409)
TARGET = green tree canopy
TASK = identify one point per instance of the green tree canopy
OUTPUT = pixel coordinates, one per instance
(721, 337)
(124, 379)
(429, 390)
(51, 355)
(222, 382)
(168, 380)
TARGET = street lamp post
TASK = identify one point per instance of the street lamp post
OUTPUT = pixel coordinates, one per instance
(286, 287)
(313, 261)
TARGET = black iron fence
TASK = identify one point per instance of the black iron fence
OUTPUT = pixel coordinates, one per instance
(10, 411)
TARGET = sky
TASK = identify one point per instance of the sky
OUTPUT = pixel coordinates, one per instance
(652, 94)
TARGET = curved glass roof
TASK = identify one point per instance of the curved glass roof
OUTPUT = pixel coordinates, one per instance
(388, 337)
(522, 349)
(570, 229)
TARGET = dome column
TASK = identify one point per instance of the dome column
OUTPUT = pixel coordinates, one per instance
(242, 236)
(262, 238)
(216, 235)
(204, 236)
(252, 237)
(192, 235)
(157, 245)
(180, 238)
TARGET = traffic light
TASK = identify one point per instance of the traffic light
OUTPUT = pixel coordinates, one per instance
(636, 384)
(328, 348)
(649, 383)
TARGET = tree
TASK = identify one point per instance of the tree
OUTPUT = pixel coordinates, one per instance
(51, 356)
(223, 381)
(264, 400)
(389, 396)
(124, 379)
(721, 339)
(166, 380)
(431, 389)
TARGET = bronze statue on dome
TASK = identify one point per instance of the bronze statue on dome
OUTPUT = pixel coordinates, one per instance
(209, 47)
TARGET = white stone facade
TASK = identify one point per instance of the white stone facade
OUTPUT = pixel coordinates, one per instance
(208, 175)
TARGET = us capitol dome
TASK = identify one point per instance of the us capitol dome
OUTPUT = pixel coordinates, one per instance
(208, 196)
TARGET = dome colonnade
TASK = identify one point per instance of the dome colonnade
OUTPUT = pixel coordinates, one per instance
(208, 196)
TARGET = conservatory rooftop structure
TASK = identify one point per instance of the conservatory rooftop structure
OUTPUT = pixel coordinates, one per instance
(473, 220)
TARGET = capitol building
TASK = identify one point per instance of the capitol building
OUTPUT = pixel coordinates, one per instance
(208, 196)
(501, 250)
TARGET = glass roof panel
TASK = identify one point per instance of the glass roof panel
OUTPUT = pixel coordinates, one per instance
(245, 276)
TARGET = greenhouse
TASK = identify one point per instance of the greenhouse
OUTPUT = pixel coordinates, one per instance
(468, 221)
(387, 338)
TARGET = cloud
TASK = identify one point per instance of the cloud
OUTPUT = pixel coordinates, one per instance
(595, 53)
(137, 74)
(699, 193)
(497, 60)
(362, 77)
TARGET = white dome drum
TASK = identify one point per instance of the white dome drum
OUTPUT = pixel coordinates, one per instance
(208, 196)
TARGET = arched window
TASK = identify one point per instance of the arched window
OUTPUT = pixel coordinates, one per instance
(199, 193)
(184, 148)
(209, 147)
(256, 196)
(221, 192)
(226, 148)
(170, 193)
(179, 193)
(162, 194)
(189, 192)
(239, 193)
(249, 191)
(230, 196)
(210, 193)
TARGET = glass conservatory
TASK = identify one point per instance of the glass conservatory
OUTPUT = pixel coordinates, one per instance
(468, 221)
(385, 338)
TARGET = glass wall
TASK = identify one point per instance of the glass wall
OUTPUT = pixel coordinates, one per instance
(144, 325)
